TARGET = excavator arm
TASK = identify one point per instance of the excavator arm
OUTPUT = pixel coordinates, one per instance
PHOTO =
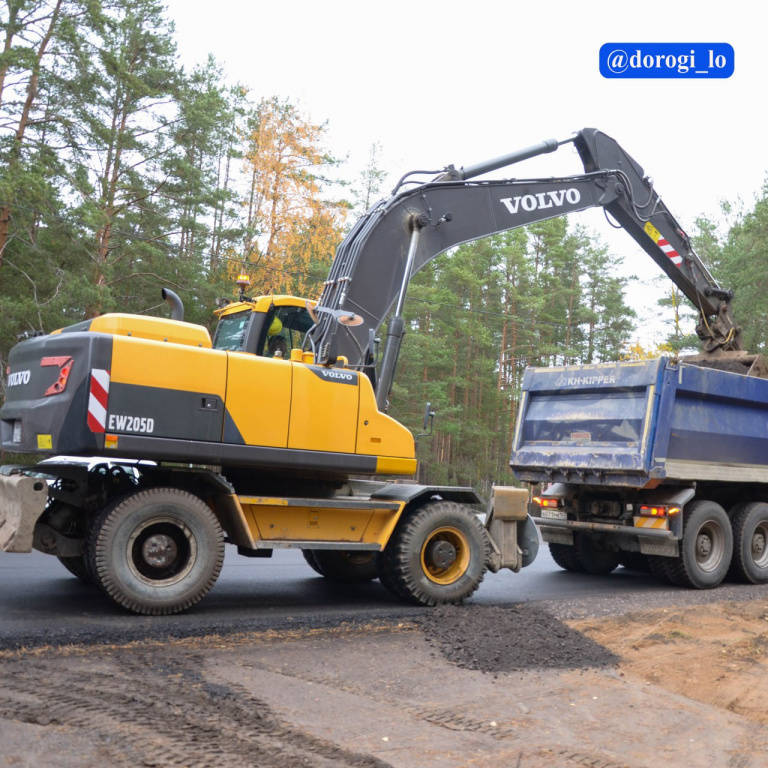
(401, 234)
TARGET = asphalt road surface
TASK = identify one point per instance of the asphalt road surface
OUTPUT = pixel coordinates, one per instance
(41, 603)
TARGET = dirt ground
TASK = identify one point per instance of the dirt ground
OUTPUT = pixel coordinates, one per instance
(458, 688)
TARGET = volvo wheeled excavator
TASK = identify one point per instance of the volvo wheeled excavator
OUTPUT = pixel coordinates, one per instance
(188, 442)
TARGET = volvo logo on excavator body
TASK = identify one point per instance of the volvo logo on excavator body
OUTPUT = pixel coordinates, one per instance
(18, 378)
(539, 201)
(336, 375)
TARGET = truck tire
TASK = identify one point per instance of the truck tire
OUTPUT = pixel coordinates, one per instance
(76, 565)
(439, 554)
(706, 547)
(564, 555)
(345, 567)
(750, 543)
(659, 567)
(156, 552)
(634, 561)
(592, 559)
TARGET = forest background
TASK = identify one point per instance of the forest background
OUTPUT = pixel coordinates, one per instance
(122, 172)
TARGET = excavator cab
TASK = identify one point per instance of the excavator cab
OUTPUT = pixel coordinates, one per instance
(267, 326)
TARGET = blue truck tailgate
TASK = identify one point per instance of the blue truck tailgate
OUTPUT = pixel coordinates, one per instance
(635, 423)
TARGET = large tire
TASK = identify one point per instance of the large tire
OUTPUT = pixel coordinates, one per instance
(659, 567)
(346, 567)
(439, 554)
(565, 556)
(706, 547)
(385, 571)
(592, 559)
(77, 566)
(634, 561)
(750, 543)
(157, 551)
(309, 556)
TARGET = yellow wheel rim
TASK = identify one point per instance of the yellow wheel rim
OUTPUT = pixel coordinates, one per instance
(445, 555)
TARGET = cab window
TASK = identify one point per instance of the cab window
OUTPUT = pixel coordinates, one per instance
(285, 330)
(231, 330)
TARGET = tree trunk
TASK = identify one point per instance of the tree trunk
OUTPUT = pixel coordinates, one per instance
(18, 140)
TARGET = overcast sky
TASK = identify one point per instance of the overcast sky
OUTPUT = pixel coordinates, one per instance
(439, 82)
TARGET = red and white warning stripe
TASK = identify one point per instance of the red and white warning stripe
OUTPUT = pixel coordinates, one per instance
(97, 402)
(674, 256)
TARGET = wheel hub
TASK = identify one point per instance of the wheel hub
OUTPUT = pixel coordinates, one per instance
(445, 555)
(441, 554)
(704, 545)
(160, 551)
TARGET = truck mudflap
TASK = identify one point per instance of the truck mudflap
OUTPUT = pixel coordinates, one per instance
(22, 501)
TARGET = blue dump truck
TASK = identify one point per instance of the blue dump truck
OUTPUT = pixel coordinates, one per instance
(658, 465)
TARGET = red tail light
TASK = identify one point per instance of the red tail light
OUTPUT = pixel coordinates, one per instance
(545, 503)
(65, 364)
(658, 510)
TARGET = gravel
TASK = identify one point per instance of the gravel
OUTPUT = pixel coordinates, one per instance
(504, 639)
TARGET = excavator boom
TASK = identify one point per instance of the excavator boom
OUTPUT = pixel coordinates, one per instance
(402, 233)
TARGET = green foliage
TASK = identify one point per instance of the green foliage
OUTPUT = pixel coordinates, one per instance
(739, 260)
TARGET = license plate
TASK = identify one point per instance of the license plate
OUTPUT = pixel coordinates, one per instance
(554, 514)
(17, 431)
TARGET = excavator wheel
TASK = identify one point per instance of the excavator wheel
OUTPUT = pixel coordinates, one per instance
(345, 567)
(438, 554)
(384, 570)
(309, 556)
(157, 551)
(77, 566)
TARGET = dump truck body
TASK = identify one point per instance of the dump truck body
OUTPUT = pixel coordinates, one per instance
(630, 451)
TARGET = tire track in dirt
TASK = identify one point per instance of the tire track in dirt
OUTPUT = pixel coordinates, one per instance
(149, 708)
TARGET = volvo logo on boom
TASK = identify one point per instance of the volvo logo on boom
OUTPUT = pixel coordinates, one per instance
(556, 198)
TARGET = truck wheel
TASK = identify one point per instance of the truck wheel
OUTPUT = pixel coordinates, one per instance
(565, 556)
(592, 559)
(344, 567)
(634, 561)
(158, 551)
(659, 567)
(77, 567)
(439, 554)
(706, 548)
(750, 543)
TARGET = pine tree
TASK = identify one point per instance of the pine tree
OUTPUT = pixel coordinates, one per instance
(292, 229)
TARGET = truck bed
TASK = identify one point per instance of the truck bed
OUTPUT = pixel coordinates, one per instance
(638, 423)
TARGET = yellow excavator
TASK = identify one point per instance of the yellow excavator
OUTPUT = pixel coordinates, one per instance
(275, 433)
